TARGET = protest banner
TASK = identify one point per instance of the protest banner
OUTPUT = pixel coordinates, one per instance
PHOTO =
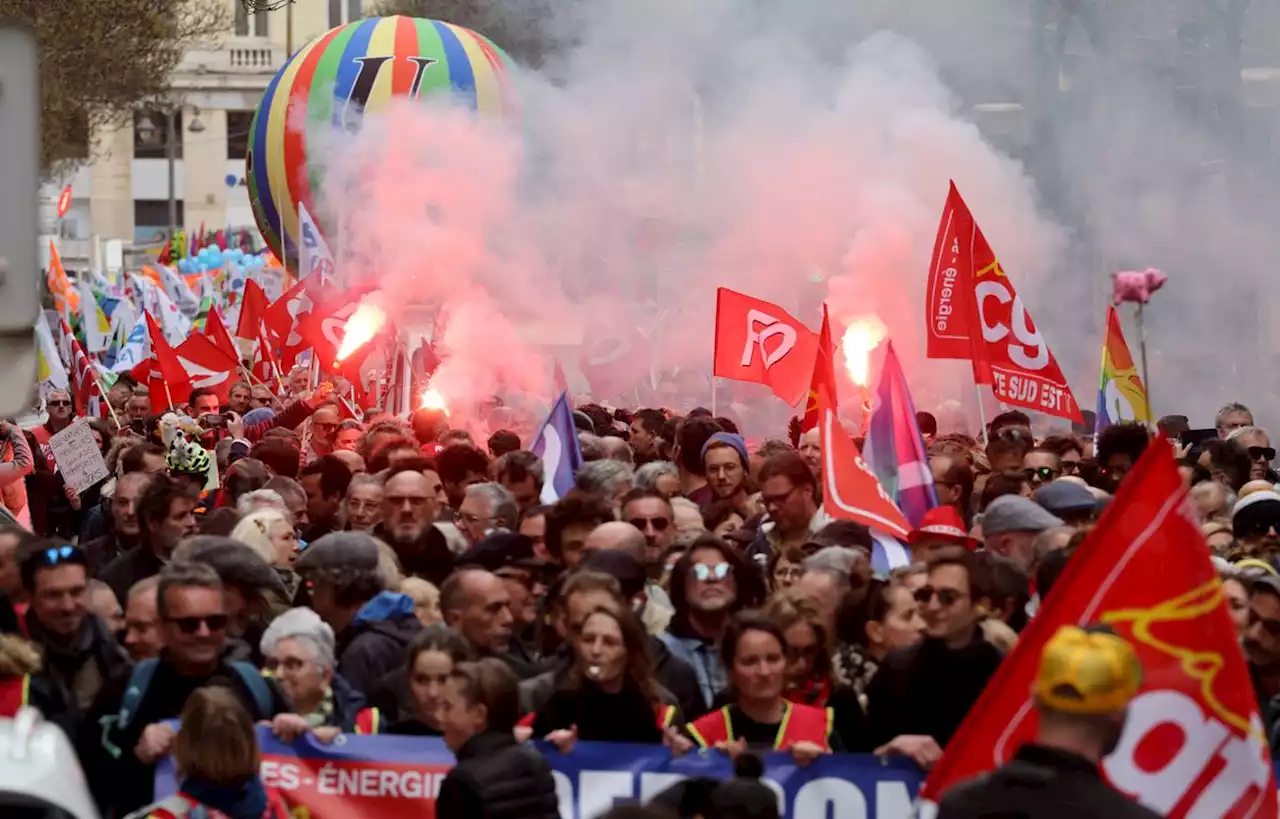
(389, 777)
(77, 455)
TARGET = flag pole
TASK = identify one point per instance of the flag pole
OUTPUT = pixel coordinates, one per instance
(982, 413)
(1142, 351)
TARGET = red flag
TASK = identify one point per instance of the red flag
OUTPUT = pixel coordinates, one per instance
(265, 366)
(973, 312)
(168, 377)
(217, 333)
(206, 366)
(84, 379)
(1193, 744)
(760, 342)
(850, 489)
(253, 307)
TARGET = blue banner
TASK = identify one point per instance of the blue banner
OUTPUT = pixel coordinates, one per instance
(386, 777)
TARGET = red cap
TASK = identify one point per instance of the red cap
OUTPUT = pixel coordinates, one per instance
(943, 524)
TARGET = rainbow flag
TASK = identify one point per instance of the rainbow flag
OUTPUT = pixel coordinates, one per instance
(1121, 394)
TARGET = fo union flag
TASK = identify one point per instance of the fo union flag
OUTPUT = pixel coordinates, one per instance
(973, 312)
(758, 341)
(1193, 745)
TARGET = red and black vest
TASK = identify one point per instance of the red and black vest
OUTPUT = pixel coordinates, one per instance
(15, 692)
(800, 723)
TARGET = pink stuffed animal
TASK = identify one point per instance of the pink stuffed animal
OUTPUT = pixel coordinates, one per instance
(1136, 285)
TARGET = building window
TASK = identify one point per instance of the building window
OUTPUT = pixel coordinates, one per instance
(239, 128)
(151, 133)
(242, 20)
(153, 215)
(353, 11)
(260, 21)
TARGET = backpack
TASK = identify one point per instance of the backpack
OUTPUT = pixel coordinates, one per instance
(140, 680)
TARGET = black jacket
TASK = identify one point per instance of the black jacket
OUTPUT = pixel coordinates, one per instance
(496, 778)
(63, 664)
(347, 703)
(1040, 783)
(377, 641)
(128, 568)
(928, 689)
(122, 783)
(429, 557)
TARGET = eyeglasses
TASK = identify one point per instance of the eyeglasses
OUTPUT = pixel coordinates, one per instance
(788, 572)
(706, 574)
(1070, 467)
(190, 625)
(1044, 474)
(58, 403)
(1262, 453)
(658, 524)
(946, 597)
(777, 500)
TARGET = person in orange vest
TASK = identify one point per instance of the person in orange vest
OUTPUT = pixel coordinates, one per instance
(759, 716)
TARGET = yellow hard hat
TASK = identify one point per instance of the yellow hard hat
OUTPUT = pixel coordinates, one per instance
(1087, 672)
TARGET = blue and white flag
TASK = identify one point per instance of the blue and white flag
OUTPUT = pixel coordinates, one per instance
(314, 256)
(134, 351)
(557, 446)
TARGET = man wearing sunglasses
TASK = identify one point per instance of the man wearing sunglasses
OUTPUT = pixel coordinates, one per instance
(921, 694)
(1255, 522)
(649, 511)
(1257, 442)
(1041, 467)
(61, 413)
(80, 654)
(126, 731)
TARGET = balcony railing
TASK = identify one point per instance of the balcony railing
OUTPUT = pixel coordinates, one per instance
(238, 55)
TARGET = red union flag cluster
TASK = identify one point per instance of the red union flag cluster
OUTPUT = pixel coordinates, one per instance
(760, 342)
(972, 312)
(1193, 745)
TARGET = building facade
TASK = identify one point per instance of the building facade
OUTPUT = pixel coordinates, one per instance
(123, 193)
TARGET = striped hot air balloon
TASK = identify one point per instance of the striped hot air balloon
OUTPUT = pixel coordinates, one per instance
(352, 70)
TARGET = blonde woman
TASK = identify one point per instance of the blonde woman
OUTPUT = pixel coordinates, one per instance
(270, 535)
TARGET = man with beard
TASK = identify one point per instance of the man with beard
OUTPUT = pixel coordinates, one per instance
(725, 461)
(788, 494)
(709, 584)
(908, 712)
(125, 529)
(1081, 718)
(953, 480)
(166, 515)
(1262, 652)
(650, 512)
(408, 525)
(646, 435)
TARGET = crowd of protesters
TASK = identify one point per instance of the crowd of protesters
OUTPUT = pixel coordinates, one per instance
(382, 576)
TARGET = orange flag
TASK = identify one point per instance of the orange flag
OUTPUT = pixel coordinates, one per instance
(850, 489)
(65, 297)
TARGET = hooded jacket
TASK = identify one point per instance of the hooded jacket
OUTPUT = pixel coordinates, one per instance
(377, 640)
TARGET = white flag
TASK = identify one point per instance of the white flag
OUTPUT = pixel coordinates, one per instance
(314, 257)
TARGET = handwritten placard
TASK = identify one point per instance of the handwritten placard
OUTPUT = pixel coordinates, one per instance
(78, 457)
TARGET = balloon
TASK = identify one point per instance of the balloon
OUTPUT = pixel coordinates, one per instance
(1136, 285)
(360, 66)
(184, 266)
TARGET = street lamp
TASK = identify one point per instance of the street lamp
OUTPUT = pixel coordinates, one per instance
(148, 131)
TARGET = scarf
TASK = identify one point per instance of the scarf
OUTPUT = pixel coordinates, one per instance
(324, 711)
(245, 801)
(811, 692)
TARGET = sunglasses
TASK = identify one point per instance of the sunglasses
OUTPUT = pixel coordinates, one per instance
(1042, 473)
(58, 403)
(1262, 453)
(1071, 467)
(946, 597)
(705, 574)
(61, 554)
(190, 625)
(658, 524)
(1255, 528)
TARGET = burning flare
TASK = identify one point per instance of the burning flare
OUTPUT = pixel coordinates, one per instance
(862, 336)
(363, 325)
(433, 400)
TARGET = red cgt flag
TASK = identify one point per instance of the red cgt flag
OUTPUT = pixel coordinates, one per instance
(760, 342)
(972, 312)
(851, 490)
(1193, 745)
